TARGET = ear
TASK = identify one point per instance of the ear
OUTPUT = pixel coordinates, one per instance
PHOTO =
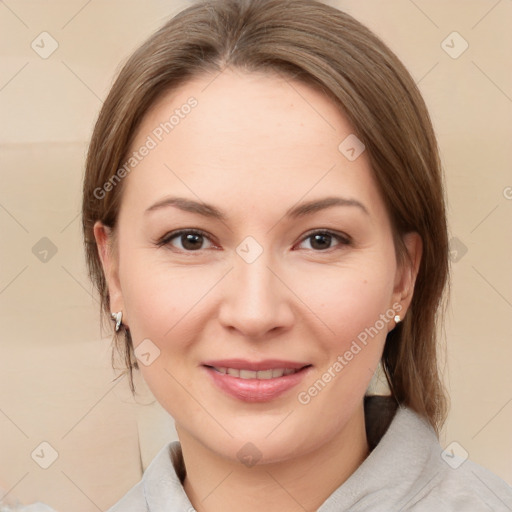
(407, 271)
(109, 261)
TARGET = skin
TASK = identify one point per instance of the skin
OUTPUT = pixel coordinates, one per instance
(254, 147)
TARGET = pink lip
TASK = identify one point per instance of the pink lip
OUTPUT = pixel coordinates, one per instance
(255, 390)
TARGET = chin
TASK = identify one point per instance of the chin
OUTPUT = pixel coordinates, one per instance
(259, 442)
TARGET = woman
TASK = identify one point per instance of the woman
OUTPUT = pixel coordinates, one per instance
(264, 220)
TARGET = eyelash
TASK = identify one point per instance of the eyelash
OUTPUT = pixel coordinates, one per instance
(342, 239)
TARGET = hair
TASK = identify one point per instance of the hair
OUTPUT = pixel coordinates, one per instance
(328, 49)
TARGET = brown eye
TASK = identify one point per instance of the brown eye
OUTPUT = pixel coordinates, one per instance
(186, 240)
(191, 241)
(323, 240)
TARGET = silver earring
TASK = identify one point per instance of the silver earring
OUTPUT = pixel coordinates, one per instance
(118, 317)
(397, 319)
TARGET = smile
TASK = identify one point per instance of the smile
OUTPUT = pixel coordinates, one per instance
(255, 382)
(251, 374)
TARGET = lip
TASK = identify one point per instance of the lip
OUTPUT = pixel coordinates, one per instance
(255, 390)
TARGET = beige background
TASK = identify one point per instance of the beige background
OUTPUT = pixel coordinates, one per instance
(55, 380)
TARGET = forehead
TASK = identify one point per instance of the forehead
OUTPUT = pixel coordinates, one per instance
(252, 109)
(246, 134)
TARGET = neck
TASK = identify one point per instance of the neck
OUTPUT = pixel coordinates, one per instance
(217, 484)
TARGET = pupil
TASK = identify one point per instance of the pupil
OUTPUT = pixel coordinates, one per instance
(190, 241)
(321, 241)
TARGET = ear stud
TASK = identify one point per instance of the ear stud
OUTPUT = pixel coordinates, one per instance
(118, 317)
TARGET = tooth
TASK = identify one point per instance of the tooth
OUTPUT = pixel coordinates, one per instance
(264, 374)
(248, 374)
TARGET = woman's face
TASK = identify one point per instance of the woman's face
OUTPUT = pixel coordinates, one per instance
(256, 272)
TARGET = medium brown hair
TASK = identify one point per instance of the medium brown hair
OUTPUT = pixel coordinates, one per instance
(327, 48)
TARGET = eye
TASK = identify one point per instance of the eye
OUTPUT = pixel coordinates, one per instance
(187, 240)
(324, 240)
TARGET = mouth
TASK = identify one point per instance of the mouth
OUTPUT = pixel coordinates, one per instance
(251, 374)
(256, 382)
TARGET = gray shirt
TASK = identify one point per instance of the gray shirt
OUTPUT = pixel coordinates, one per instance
(407, 470)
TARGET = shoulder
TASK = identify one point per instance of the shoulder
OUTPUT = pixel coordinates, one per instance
(468, 487)
(132, 501)
(446, 481)
(408, 470)
(161, 485)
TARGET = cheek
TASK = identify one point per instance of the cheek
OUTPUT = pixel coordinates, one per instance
(162, 305)
(160, 299)
(349, 299)
(356, 307)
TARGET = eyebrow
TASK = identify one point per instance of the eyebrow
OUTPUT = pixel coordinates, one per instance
(301, 210)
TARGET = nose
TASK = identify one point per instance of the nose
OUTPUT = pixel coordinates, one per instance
(256, 301)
